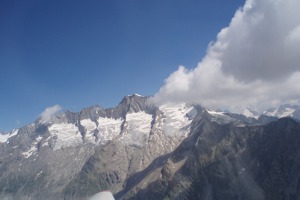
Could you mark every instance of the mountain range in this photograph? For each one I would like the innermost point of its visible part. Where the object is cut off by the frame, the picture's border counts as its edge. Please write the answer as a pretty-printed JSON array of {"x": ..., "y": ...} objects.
[{"x": 141, "y": 151}]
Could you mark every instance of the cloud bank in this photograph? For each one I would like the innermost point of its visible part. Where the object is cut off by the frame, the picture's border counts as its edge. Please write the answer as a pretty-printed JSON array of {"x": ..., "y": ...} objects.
[
  {"x": 49, "y": 112},
  {"x": 254, "y": 62}
]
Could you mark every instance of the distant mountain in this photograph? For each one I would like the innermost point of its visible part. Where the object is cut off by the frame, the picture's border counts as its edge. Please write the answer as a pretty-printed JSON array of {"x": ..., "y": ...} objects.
[
  {"x": 248, "y": 112},
  {"x": 284, "y": 111},
  {"x": 139, "y": 151},
  {"x": 225, "y": 161}
]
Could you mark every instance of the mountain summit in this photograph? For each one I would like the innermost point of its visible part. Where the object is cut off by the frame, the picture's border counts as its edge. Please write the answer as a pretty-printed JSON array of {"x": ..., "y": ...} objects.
[{"x": 140, "y": 151}]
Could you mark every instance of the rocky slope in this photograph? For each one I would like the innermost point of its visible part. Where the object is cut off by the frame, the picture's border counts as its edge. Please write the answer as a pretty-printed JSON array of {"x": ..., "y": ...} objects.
[
  {"x": 139, "y": 151},
  {"x": 75, "y": 155},
  {"x": 225, "y": 161}
]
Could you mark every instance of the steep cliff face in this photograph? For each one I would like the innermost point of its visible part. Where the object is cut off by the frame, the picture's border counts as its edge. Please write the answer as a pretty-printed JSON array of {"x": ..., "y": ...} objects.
[
  {"x": 139, "y": 151},
  {"x": 75, "y": 155},
  {"x": 223, "y": 161}
]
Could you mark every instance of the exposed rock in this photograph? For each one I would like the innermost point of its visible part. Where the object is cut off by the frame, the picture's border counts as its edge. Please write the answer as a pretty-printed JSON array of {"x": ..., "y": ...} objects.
[{"x": 139, "y": 151}]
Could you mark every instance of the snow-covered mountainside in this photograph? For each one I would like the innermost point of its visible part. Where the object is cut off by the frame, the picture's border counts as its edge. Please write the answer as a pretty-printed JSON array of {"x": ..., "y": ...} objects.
[
  {"x": 248, "y": 112},
  {"x": 32, "y": 156},
  {"x": 5, "y": 136},
  {"x": 123, "y": 149},
  {"x": 284, "y": 111}
]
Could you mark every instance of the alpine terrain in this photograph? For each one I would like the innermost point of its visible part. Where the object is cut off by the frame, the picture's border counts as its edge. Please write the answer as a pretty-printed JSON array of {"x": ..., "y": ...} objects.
[{"x": 140, "y": 151}]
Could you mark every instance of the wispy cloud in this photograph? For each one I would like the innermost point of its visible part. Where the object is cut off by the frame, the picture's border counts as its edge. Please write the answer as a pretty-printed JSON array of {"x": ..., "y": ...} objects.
[
  {"x": 253, "y": 62},
  {"x": 49, "y": 112}
]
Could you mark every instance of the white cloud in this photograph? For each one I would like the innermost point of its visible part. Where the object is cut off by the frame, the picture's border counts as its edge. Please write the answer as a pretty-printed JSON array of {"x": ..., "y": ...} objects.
[
  {"x": 49, "y": 112},
  {"x": 254, "y": 61}
]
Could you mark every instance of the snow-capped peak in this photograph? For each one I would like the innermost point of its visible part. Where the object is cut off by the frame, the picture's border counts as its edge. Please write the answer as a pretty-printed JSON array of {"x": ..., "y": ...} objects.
[
  {"x": 248, "y": 112},
  {"x": 283, "y": 111},
  {"x": 135, "y": 94}
]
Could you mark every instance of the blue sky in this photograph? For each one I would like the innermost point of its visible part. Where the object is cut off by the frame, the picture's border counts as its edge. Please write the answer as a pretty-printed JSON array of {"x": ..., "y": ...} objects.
[{"x": 81, "y": 53}]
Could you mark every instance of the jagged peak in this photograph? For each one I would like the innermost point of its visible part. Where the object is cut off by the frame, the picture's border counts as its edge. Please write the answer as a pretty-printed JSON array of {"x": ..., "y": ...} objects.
[
  {"x": 135, "y": 95},
  {"x": 249, "y": 112}
]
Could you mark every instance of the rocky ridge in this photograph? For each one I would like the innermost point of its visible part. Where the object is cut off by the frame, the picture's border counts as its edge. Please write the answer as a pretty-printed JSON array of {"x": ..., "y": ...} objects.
[{"x": 138, "y": 149}]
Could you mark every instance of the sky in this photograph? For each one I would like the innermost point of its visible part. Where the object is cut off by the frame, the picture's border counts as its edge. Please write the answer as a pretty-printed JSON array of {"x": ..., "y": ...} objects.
[
  {"x": 254, "y": 62},
  {"x": 63, "y": 54}
]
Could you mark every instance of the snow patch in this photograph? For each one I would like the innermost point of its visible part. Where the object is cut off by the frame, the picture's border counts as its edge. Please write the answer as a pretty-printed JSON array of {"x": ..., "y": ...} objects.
[
  {"x": 270, "y": 113},
  {"x": 137, "y": 128},
  {"x": 176, "y": 120},
  {"x": 287, "y": 112},
  {"x": 90, "y": 128},
  {"x": 108, "y": 128},
  {"x": 192, "y": 113},
  {"x": 215, "y": 113},
  {"x": 39, "y": 138},
  {"x": 67, "y": 135},
  {"x": 31, "y": 151},
  {"x": 249, "y": 113},
  {"x": 39, "y": 173},
  {"x": 135, "y": 94},
  {"x": 282, "y": 111},
  {"x": 219, "y": 117},
  {"x": 4, "y": 137}
]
